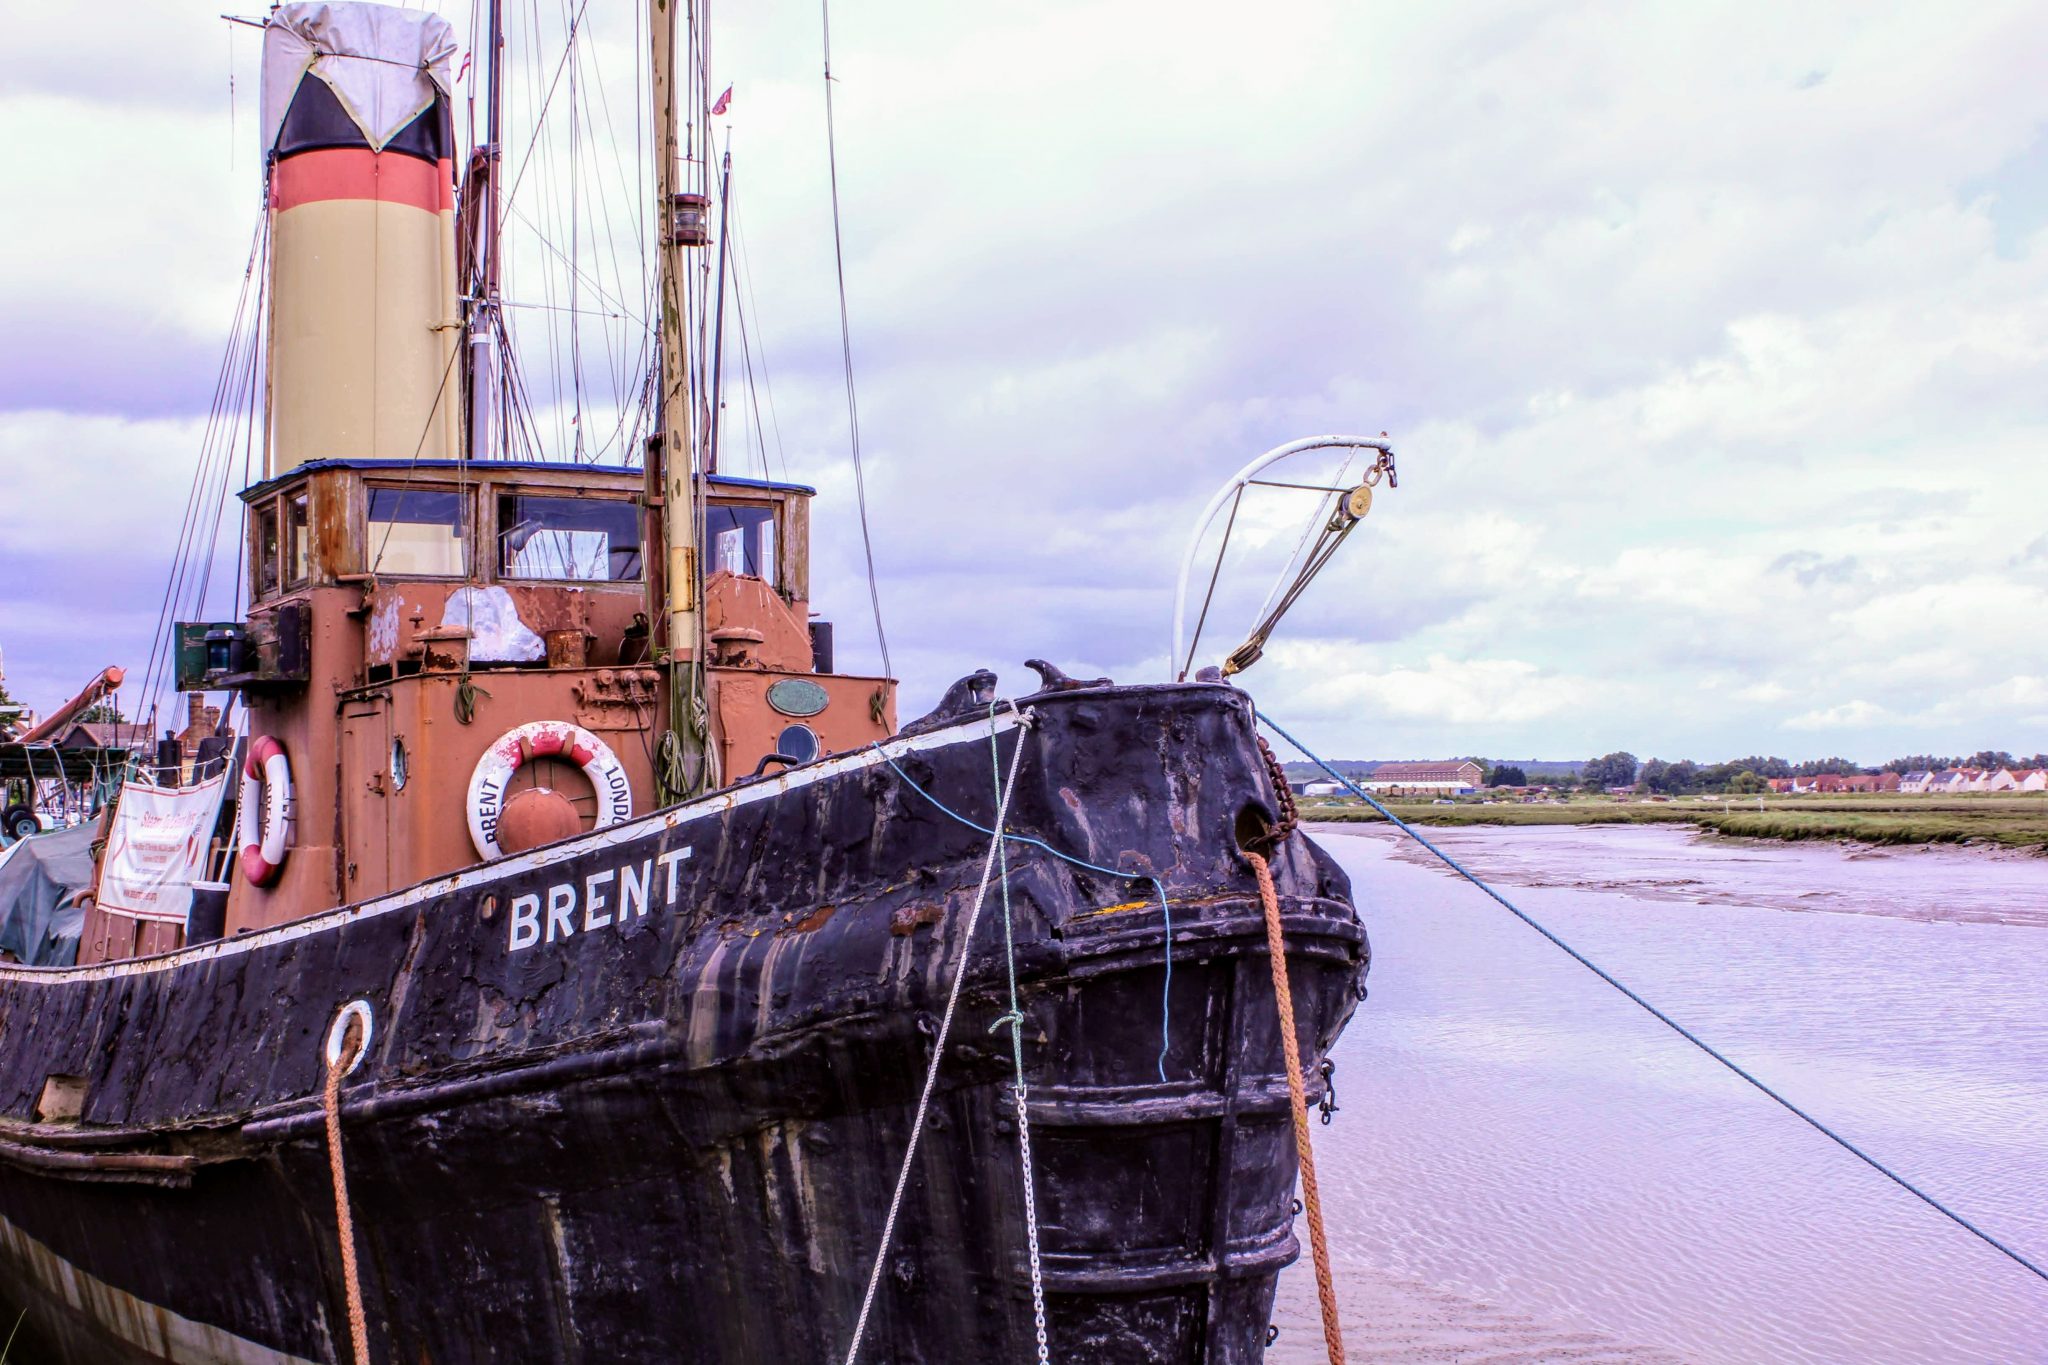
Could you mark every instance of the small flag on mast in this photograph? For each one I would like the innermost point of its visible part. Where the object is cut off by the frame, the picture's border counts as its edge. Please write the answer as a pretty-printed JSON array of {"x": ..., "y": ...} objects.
[{"x": 724, "y": 102}]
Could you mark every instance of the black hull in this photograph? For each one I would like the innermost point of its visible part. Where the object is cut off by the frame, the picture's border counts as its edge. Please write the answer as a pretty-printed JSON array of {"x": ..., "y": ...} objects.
[{"x": 675, "y": 1137}]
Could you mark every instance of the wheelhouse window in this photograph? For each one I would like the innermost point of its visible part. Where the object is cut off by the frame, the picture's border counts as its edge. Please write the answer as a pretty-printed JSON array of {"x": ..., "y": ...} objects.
[
  {"x": 297, "y": 540},
  {"x": 578, "y": 539},
  {"x": 416, "y": 531},
  {"x": 742, "y": 539},
  {"x": 265, "y": 557}
]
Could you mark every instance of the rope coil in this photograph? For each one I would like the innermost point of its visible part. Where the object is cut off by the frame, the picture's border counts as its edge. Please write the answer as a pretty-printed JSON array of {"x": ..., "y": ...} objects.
[{"x": 1297, "y": 1108}]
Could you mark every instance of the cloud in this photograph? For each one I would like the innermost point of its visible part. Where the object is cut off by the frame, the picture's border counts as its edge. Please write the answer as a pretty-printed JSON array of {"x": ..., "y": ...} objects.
[
  {"x": 1850, "y": 715},
  {"x": 1709, "y": 337}
]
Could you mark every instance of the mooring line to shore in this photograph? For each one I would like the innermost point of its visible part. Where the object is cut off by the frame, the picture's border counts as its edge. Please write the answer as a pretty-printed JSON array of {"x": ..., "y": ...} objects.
[{"x": 1681, "y": 1030}]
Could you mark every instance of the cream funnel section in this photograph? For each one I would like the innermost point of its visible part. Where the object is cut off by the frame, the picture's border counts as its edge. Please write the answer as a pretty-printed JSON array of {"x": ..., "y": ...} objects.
[{"x": 364, "y": 325}]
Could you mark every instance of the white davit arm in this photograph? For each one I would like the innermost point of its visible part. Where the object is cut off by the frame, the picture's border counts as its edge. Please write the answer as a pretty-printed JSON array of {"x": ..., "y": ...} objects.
[{"x": 1178, "y": 661}]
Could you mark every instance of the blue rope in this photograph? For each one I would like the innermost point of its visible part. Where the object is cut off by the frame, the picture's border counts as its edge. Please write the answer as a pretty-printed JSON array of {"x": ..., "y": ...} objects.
[
  {"x": 1165, "y": 911},
  {"x": 1663, "y": 1018}
]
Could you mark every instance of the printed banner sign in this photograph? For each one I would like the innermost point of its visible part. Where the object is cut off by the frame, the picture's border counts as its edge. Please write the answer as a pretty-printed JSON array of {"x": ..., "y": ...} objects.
[{"x": 157, "y": 848}]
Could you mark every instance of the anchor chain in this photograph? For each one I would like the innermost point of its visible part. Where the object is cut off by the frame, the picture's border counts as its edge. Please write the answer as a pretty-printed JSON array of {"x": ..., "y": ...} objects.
[{"x": 1283, "y": 796}]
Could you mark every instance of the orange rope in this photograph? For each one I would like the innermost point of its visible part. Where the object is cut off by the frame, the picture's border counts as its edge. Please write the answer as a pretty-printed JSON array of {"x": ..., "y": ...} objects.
[
  {"x": 1311, "y": 1198},
  {"x": 358, "y": 1325}
]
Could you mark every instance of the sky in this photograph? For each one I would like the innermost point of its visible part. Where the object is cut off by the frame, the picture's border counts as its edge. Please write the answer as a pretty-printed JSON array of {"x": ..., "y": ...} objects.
[{"x": 1711, "y": 340}]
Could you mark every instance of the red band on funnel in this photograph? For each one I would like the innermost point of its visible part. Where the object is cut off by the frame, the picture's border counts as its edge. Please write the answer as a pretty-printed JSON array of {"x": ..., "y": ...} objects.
[{"x": 359, "y": 173}]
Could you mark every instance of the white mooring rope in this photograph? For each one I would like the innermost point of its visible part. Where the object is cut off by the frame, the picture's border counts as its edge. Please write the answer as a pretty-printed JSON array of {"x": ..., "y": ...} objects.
[
  {"x": 1015, "y": 1020},
  {"x": 931, "y": 1075}
]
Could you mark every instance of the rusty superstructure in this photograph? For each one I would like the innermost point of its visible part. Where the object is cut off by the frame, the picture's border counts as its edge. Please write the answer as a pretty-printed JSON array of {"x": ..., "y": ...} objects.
[{"x": 643, "y": 912}]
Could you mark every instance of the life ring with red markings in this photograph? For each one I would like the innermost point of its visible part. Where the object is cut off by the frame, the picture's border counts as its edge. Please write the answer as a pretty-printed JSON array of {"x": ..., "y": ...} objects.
[
  {"x": 490, "y": 784},
  {"x": 263, "y": 811}
]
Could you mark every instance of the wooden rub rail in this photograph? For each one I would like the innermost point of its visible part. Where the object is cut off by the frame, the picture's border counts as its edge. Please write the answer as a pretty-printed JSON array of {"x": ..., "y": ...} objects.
[{"x": 146, "y": 1168}]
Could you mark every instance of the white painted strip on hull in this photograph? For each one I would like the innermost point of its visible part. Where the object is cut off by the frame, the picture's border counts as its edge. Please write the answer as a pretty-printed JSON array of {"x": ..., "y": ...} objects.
[
  {"x": 153, "y": 1332},
  {"x": 716, "y": 803}
]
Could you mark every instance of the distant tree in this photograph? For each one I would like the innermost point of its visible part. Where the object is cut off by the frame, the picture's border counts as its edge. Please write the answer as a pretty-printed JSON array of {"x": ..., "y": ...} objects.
[
  {"x": 1988, "y": 758},
  {"x": 1814, "y": 767},
  {"x": 1506, "y": 775},
  {"x": 8, "y": 705},
  {"x": 1613, "y": 770},
  {"x": 1746, "y": 783},
  {"x": 1715, "y": 777},
  {"x": 106, "y": 712}
]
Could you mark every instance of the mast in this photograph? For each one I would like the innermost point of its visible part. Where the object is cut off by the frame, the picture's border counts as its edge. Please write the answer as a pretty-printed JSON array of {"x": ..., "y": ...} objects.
[
  {"x": 680, "y": 223},
  {"x": 714, "y": 421},
  {"x": 486, "y": 380}
]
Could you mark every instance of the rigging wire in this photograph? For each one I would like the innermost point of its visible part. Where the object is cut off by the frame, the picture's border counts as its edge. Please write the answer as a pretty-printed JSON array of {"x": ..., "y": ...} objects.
[
  {"x": 1210, "y": 596},
  {"x": 744, "y": 272},
  {"x": 860, "y": 486},
  {"x": 216, "y": 448},
  {"x": 1681, "y": 1030},
  {"x": 1324, "y": 509}
]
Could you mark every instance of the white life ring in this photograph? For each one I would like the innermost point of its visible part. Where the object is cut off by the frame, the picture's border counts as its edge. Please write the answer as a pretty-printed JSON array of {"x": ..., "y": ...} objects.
[
  {"x": 266, "y": 837},
  {"x": 539, "y": 739}
]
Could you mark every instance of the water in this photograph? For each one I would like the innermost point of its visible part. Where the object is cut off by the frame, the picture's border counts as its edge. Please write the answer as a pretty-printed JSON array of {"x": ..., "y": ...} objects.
[{"x": 1528, "y": 1167}]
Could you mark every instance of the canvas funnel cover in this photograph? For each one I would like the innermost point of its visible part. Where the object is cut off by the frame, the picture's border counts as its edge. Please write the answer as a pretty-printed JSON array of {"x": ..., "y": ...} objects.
[{"x": 383, "y": 63}]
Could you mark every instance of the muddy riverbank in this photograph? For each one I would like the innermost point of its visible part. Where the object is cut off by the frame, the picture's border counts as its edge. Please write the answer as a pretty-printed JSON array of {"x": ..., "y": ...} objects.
[{"x": 1526, "y": 1167}]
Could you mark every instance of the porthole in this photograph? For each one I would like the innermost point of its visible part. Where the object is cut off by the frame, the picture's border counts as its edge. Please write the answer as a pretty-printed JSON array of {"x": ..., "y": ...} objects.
[
  {"x": 798, "y": 742},
  {"x": 401, "y": 767}
]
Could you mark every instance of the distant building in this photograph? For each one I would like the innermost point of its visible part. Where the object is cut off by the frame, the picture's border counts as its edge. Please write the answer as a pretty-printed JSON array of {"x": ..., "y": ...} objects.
[
  {"x": 1447, "y": 776},
  {"x": 1322, "y": 789},
  {"x": 1919, "y": 780},
  {"x": 202, "y": 722},
  {"x": 104, "y": 734},
  {"x": 1856, "y": 782}
]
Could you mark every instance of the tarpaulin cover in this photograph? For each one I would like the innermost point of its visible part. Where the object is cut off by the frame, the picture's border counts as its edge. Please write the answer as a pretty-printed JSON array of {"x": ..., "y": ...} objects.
[
  {"x": 37, "y": 877},
  {"x": 383, "y": 63}
]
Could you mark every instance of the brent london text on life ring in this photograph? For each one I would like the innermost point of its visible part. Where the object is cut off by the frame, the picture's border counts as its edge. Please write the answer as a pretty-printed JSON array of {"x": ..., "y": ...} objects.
[
  {"x": 263, "y": 811},
  {"x": 539, "y": 739}
]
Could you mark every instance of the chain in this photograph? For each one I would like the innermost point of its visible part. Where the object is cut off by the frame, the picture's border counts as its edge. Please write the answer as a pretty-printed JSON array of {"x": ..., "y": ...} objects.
[
  {"x": 1283, "y": 797},
  {"x": 1031, "y": 1228},
  {"x": 931, "y": 1075}
]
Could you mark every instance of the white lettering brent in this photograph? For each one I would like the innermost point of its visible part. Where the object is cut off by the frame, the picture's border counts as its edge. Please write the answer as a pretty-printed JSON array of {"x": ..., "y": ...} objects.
[{"x": 553, "y": 914}]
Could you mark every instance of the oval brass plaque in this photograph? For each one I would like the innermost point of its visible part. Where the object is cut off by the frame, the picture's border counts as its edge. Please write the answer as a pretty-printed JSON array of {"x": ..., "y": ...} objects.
[{"x": 797, "y": 696}]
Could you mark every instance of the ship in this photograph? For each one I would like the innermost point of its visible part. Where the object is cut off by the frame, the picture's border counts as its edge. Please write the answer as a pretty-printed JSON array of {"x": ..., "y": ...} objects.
[{"x": 595, "y": 972}]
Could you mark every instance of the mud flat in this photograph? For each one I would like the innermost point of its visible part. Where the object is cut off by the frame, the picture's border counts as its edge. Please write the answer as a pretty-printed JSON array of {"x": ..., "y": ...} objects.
[
  {"x": 1392, "y": 1318},
  {"x": 1983, "y": 822},
  {"x": 1527, "y": 1168}
]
